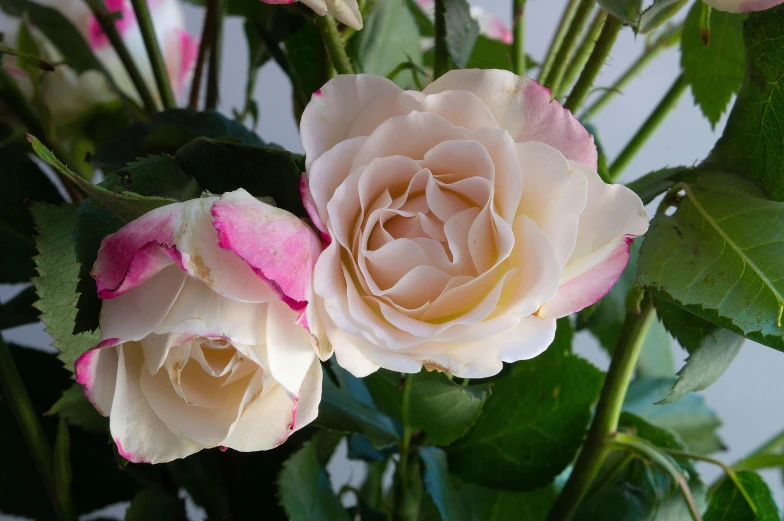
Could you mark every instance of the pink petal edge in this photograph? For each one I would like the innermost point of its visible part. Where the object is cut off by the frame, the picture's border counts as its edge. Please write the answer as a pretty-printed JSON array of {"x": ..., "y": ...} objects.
[
  {"x": 310, "y": 206},
  {"x": 84, "y": 369}
]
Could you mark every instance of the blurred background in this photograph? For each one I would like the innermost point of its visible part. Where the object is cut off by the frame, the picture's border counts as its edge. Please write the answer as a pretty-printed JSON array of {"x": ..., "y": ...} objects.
[{"x": 747, "y": 397}]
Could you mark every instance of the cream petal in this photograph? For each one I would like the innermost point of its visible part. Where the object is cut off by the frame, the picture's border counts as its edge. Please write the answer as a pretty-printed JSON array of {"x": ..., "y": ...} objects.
[
  {"x": 346, "y": 11},
  {"x": 265, "y": 424},
  {"x": 508, "y": 180},
  {"x": 309, "y": 396},
  {"x": 141, "y": 436},
  {"x": 329, "y": 171},
  {"x": 96, "y": 371},
  {"x": 443, "y": 203},
  {"x": 461, "y": 108},
  {"x": 385, "y": 107},
  {"x": 289, "y": 352},
  {"x": 156, "y": 348},
  {"x": 421, "y": 285}
]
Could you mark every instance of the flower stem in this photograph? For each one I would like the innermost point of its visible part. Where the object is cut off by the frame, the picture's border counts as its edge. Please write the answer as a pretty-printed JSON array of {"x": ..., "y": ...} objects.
[
  {"x": 668, "y": 102},
  {"x": 216, "y": 41},
  {"x": 441, "y": 58},
  {"x": 204, "y": 46},
  {"x": 568, "y": 45},
  {"x": 601, "y": 51},
  {"x": 154, "y": 52},
  {"x": 558, "y": 38},
  {"x": 333, "y": 42},
  {"x": 519, "y": 65},
  {"x": 608, "y": 411},
  {"x": 401, "y": 480},
  {"x": 583, "y": 53},
  {"x": 650, "y": 52},
  {"x": 106, "y": 21},
  {"x": 15, "y": 394}
]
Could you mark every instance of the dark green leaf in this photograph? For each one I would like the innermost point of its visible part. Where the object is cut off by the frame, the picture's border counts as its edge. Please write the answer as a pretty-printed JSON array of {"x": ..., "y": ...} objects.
[
  {"x": 490, "y": 54},
  {"x": 156, "y": 176},
  {"x": 386, "y": 388},
  {"x": 22, "y": 181},
  {"x": 58, "y": 275},
  {"x": 19, "y": 310},
  {"x": 754, "y": 502},
  {"x": 155, "y": 505},
  {"x": 390, "y": 36},
  {"x": 687, "y": 328},
  {"x": 689, "y": 417},
  {"x": 627, "y": 10},
  {"x": 424, "y": 22},
  {"x": 126, "y": 206},
  {"x": 264, "y": 172},
  {"x": 438, "y": 485},
  {"x": 485, "y": 504},
  {"x": 650, "y": 186},
  {"x": 705, "y": 259},
  {"x": 305, "y": 491},
  {"x": 753, "y": 141},
  {"x": 706, "y": 364},
  {"x": 360, "y": 447},
  {"x": 200, "y": 475},
  {"x": 531, "y": 426},
  {"x": 658, "y": 13},
  {"x": 61, "y": 460},
  {"x": 714, "y": 72},
  {"x": 75, "y": 409},
  {"x": 30, "y": 59},
  {"x": 307, "y": 59},
  {"x": 461, "y": 31}
]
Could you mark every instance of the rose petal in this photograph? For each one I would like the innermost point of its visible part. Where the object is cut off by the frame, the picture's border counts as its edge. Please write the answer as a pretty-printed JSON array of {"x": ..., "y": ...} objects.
[
  {"x": 96, "y": 371},
  {"x": 265, "y": 424},
  {"x": 289, "y": 353}
]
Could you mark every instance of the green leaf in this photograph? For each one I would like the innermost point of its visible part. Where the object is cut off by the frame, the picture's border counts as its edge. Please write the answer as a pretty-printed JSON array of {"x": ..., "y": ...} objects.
[
  {"x": 438, "y": 485},
  {"x": 485, "y": 504},
  {"x": 443, "y": 409},
  {"x": 752, "y": 502},
  {"x": 531, "y": 426},
  {"x": 627, "y": 10},
  {"x": 22, "y": 180},
  {"x": 658, "y": 13},
  {"x": 714, "y": 72},
  {"x": 76, "y": 410},
  {"x": 706, "y": 259},
  {"x": 689, "y": 417},
  {"x": 20, "y": 310},
  {"x": 340, "y": 411},
  {"x": 461, "y": 31},
  {"x": 155, "y": 505},
  {"x": 126, "y": 205},
  {"x": 687, "y": 328},
  {"x": 304, "y": 488},
  {"x": 154, "y": 176},
  {"x": 31, "y": 59},
  {"x": 706, "y": 364},
  {"x": 264, "y": 172},
  {"x": 307, "y": 59},
  {"x": 653, "y": 184},
  {"x": 386, "y": 388},
  {"x": 753, "y": 140},
  {"x": 58, "y": 275},
  {"x": 424, "y": 22},
  {"x": 390, "y": 36}
]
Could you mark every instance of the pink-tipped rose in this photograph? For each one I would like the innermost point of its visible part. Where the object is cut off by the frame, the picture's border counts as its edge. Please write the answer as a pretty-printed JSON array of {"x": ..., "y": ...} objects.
[
  {"x": 464, "y": 220},
  {"x": 203, "y": 329}
]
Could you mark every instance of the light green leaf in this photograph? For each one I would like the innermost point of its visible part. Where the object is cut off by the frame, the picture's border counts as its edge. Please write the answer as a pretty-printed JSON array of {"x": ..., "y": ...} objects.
[
  {"x": 31, "y": 59},
  {"x": 74, "y": 408},
  {"x": 531, "y": 426},
  {"x": 714, "y": 72},
  {"x": 155, "y": 505},
  {"x": 626, "y": 10},
  {"x": 58, "y": 275},
  {"x": 461, "y": 31},
  {"x": 753, "y": 501},
  {"x": 718, "y": 257},
  {"x": 304, "y": 488},
  {"x": 658, "y": 13},
  {"x": 753, "y": 141},
  {"x": 706, "y": 364},
  {"x": 438, "y": 485}
]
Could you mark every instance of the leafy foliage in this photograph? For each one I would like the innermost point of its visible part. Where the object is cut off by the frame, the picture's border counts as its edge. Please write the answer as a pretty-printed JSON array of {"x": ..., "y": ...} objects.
[
  {"x": 715, "y": 71},
  {"x": 753, "y": 139},
  {"x": 76, "y": 410},
  {"x": 461, "y": 31},
  {"x": 437, "y": 484},
  {"x": 155, "y": 505},
  {"x": 753, "y": 501}
]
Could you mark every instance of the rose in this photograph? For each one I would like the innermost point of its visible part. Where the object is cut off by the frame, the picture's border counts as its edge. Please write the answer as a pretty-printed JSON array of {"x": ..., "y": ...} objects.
[
  {"x": 463, "y": 220},
  {"x": 200, "y": 345},
  {"x": 489, "y": 25},
  {"x": 742, "y": 6},
  {"x": 346, "y": 11},
  {"x": 69, "y": 95}
]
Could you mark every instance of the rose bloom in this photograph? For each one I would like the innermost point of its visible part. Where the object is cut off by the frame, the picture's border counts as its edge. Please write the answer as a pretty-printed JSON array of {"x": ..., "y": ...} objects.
[
  {"x": 464, "y": 220},
  {"x": 202, "y": 337},
  {"x": 69, "y": 95},
  {"x": 742, "y": 6},
  {"x": 345, "y": 11}
]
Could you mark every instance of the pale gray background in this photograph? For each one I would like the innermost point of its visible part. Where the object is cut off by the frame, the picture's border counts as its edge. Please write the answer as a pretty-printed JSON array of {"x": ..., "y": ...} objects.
[{"x": 748, "y": 397}]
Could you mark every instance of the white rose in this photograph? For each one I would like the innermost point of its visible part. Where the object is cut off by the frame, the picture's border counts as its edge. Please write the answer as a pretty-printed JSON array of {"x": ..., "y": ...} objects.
[
  {"x": 346, "y": 11},
  {"x": 69, "y": 95},
  {"x": 464, "y": 219},
  {"x": 742, "y": 6},
  {"x": 202, "y": 337}
]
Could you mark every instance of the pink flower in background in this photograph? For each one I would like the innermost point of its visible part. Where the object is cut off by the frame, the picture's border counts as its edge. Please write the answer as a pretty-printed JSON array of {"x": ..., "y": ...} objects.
[
  {"x": 743, "y": 6},
  {"x": 464, "y": 220},
  {"x": 489, "y": 24},
  {"x": 345, "y": 11},
  {"x": 69, "y": 95},
  {"x": 202, "y": 337}
]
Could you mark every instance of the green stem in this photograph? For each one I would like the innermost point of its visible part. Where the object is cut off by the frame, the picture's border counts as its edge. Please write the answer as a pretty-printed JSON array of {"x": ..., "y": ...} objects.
[
  {"x": 668, "y": 102},
  {"x": 333, "y": 42},
  {"x": 601, "y": 51},
  {"x": 568, "y": 45},
  {"x": 106, "y": 21},
  {"x": 441, "y": 57},
  {"x": 519, "y": 65},
  {"x": 154, "y": 52},
  {"x": 16, "y": 396},
  {"x": 582, "y": 54},
  {"x": 401, "y": 481},
  {"x": 216, "y": 45},
  {"x": 634, "y": 69},
  {"x": 16, "y": 101},
  {"x": 204, "y": 46},
  {"x": 625, "y": 441},
  {"x": 608, "y": 411},
  {"x": 558, "y": 38}
]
